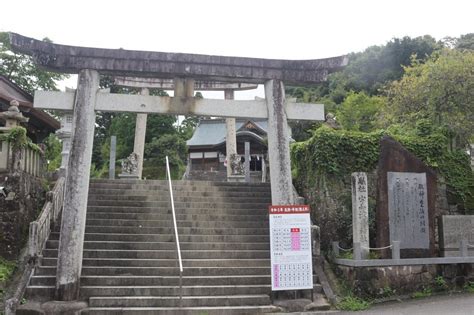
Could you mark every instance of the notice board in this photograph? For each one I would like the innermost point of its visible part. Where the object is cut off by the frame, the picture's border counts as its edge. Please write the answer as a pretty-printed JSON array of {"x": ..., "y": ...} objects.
[{"x": 290, "y": 247}]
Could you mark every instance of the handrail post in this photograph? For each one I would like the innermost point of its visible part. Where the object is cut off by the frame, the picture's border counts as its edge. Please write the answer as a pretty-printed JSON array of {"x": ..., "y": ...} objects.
[{"x": 168, "y": 173}]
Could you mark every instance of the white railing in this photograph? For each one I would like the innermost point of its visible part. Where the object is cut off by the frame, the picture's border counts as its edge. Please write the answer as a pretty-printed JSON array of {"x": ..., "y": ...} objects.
[
  {"x": 178, "y": 248},
  {"x": 40, "y": 229}
]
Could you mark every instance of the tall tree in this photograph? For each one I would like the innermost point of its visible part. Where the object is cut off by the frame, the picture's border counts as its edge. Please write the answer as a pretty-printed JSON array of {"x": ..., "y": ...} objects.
[
  {"x": 440, "y": 90},
  {"x": 21, "y": 70}
]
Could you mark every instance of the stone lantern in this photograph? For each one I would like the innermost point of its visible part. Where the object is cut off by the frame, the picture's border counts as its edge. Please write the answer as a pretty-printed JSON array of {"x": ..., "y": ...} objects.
[{"x": 12, "y": 116}]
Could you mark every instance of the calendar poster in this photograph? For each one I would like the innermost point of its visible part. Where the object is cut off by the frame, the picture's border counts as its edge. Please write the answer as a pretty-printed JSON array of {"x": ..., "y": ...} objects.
[{"x": 290, "y": 243}]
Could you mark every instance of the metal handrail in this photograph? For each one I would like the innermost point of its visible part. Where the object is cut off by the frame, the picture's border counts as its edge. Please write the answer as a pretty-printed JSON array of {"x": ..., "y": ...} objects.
[{"x": 168, "y": 174}]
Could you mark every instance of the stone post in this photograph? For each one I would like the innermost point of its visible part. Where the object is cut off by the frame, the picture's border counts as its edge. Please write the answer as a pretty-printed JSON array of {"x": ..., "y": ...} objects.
[
  {"x": 140, "y": 133},
  {"x": 463, "y": 248},
  {"x": 77, "y": 188},
  {"x": 360, "y": 212},
  {"x": 64, "y": 134},
  {"x": 230, "y": 139},
  {"x": 113, "y": 150},
  {"x": 335, "y": 248},
  {"x": 396, "y": 250},
  {"x": 278, "y": 144},
  {"x": 247, "y": 162},
  {"x": 357, "y": 251}
]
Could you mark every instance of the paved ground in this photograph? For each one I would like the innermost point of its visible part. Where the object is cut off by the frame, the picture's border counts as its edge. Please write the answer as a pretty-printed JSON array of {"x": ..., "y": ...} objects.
[{"x": 458, "y": 304}]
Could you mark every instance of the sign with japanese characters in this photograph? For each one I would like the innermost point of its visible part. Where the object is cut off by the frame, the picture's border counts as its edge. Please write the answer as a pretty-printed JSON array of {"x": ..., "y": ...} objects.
[
  {"x": 290, "y": 247},
  {"x": 408, "y": 209}
]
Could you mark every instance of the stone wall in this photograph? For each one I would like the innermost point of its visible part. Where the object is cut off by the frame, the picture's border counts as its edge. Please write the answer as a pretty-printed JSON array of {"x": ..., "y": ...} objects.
[
  {"x": 398, "y": 280},
  {"x": 26, "y": 198}
]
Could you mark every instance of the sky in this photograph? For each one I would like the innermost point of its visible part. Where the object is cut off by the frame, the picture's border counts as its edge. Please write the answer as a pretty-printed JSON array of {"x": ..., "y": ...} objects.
[{"x": 296, "y": 29}]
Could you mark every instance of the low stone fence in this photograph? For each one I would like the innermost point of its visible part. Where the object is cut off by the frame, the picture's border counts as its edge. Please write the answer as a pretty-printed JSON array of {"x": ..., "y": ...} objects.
[
  {"x": 40, "y": 229},
  {"x": 25, "y": 159},
  {"x": 378, "y": 277}
]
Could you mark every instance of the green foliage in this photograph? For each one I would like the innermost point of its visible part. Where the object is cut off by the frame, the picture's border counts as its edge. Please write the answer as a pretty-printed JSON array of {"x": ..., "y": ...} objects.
[
  {"x": 337, "y": 153},
  {"x": 18, "y": 139},
  {"x": 439, "y": 90},
  {"x": 20, "y": 69},
  {"x": 440, "y": 283},
  {"x": 52, "y": 152},
  {"x": 359, "y": 111},
  {"x": 170, "y": 145},
  {"x": 345, "y": 255},
  {"x": 6, "y": 269},
  {"x": 465, "y": 42},
  {"x": 426, "y": 292},
  {"x": 469, "y": 287},
  {"x": 352, "y": 303}
]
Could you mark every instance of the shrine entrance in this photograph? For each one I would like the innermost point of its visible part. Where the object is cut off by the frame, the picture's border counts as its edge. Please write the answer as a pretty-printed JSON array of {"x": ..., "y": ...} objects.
[{"x": 183, "y": 73}]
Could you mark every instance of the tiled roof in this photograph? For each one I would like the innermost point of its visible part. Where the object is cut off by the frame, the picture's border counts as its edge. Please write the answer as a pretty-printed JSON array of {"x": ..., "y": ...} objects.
[{"x": 213, "y": 131}]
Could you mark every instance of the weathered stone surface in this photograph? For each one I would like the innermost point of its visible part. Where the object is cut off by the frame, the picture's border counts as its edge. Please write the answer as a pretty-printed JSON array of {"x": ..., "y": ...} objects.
[
  {"x": 407, "y": 209},
  {"x": 230, "y": 139},
  {"x": 395, "y": 158},
  {"x": 360, "y": 212},
  {"x": 76, "y": 189},
  {"x": 453, "y": 229},
  {"x": 140, "y": 132},
  {"x": 168, "y": 84},
  {"x": 278, "y": 144},
  {"x": 17, "y": 213},
  {"x": 72, "y": 59}
]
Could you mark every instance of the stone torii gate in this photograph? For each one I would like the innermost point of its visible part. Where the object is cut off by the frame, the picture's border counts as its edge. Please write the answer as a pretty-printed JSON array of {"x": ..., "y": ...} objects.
[{"x": 184, "y": 70}]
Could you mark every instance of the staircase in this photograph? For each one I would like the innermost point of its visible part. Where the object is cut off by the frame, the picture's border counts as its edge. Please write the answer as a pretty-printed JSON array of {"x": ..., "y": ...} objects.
[{"x": 130, "y": 264}]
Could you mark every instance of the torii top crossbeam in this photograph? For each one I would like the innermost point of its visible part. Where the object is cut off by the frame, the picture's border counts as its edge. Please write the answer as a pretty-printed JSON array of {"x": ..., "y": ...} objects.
[{"x": 117, "y": 62}]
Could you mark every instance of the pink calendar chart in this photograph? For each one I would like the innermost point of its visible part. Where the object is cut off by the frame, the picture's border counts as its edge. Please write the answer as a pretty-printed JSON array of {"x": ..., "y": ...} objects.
[{"x": 290, "y": 243}]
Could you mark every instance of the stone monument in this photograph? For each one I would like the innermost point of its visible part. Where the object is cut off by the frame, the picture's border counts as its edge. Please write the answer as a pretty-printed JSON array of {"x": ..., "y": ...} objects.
[
  {"x": 406, "y": 198},
  {"x": 360, "y": 212}
]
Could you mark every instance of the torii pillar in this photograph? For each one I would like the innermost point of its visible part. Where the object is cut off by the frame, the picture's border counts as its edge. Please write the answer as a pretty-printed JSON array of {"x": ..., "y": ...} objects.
[
  {"x": 77, "y": 188},
  {"x": 230, "y": 139},
  {"x": 278, "y": 144},
  {"x": 140, "y": 133}
]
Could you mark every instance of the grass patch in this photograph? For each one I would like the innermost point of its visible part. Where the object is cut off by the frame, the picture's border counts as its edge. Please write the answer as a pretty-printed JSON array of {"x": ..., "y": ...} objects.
[
  {"x": 6, "y": 269},
  {"x": 426, "y": 292},
  {"x": 469, "y": 287},
  {"x": 351, "y": 303}
]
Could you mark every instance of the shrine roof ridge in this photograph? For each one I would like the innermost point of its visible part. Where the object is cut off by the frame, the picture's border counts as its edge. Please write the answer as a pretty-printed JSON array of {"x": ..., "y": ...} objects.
[{"x": 72, "y": 59}]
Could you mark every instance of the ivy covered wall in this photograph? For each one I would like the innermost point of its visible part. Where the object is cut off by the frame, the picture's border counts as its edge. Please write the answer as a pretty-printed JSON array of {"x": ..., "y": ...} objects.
[{"x": 323, "y": 164}]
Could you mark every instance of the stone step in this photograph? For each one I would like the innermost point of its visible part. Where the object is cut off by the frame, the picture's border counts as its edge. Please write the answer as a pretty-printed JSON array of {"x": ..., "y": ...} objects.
[
  {"x": 170, "y": 238},
  {"x": 168, "y": 254},
  {"x": 187, "y": 301},
  {"x": 128, "y": 280},
  {"x": 178, "y": 198},
  {"x": 179, "y": 217},
  {"x": 160, "y": 271},
  {"x": 180, "y": 205},
  {"x": 47, "y": 292},
  {"x": 42, "y": 280},
  {"x": 173, "y": 182},
  {"x": 135, "y": 262},
  {"x": 214, "y": 231},
  {"x": 216, "y": 310},
  {"x": 179, "y": 210},
  {"x": 54, "y": 244},
  {"x": 181, "y": 193},
  {"x": 169, "y": 222},
  {"x": 246, "y": 188}
]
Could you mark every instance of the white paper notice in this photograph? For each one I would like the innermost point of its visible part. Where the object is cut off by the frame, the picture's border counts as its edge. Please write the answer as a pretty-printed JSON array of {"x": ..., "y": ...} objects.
[{"x": 290, "y": 243}]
